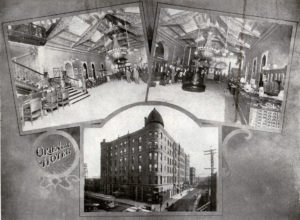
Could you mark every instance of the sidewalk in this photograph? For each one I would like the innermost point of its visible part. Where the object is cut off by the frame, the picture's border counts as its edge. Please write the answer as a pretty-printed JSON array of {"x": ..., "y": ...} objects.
[
  {"x": 118, "y": 200},
  {"x": 171, "y": 200},
  {"x": 155, "y": 207}
]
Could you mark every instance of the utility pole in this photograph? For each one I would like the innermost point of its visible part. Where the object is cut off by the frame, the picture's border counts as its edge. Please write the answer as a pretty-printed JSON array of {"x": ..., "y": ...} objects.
[{"x": 211, "y": 153}]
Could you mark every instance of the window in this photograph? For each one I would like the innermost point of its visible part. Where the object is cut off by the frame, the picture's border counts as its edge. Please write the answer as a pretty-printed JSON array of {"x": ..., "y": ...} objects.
[
  {"x": 140, "y": 168},
  {"x": 132, "y": 167},
  {"x": 160, "y": 179},
  {"x": 161, "y": 135},
  {"x": 161, "y": 157},
  {"x": 156, "y": 144},
  {"x": 121, "y": 152},
  {"x": 150, "y": 133},
  {"x": 264, "y": 59},
  {"x": 155, "y": 167},
  {"x": 140, "y": 148},
  {"x": 125, "y": 151},
  {"x": 125, "y": 142},
  {"x": 133, "y": 140},
  {"x": 150, "y": 156},
  {"x": 155, "y": 134},
  {"x": 155, "y": 156},
  {"x": 140, "y": 158},
  {"x": 132, "y": 159},
  {"x": 161, "y": 168},
  {"x": 140, "y": 139},
  {"x": 132, "y": 149},
  {"x": 254, "y": 67},
  {"x": 125, "y": 158},
  {"x": 156, "y": 179},
  {"x": 150, "y": 167}
]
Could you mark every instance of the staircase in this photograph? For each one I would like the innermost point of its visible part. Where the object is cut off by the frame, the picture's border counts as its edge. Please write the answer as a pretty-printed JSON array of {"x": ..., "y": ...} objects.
[{"x": 76, "y": 95}]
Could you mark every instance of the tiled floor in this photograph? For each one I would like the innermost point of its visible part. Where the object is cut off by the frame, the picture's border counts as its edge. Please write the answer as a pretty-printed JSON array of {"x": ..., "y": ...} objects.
[
  {"x": 215, "y": 104},
  {"x": 104, "y": 99}
]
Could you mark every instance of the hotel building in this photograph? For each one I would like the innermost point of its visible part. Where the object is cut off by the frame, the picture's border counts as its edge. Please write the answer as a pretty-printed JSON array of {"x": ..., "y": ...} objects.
[{"x": 147, "y": 165}]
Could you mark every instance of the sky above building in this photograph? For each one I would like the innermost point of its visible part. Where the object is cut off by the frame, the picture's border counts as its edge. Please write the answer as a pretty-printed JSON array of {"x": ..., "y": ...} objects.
[{"x": 193, "y": 138}]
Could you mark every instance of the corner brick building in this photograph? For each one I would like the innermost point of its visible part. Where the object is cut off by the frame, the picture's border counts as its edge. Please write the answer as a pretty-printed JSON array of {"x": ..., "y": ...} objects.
[{"x": 146, "y": 165}]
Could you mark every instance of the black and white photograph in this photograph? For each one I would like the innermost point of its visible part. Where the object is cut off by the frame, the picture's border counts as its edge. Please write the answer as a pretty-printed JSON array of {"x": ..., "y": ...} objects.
[
  {"x": 222, "y": 67},
  {"x": 79, "y": 67},
  {"x": 150, "y": 159}
]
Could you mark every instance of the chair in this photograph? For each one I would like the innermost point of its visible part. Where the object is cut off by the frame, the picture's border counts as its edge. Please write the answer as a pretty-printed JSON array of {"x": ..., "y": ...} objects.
[
  {"x": 51, "y": 101},
  {"x": 33, "y": 109},
  {"x": 63, "y": 97}
]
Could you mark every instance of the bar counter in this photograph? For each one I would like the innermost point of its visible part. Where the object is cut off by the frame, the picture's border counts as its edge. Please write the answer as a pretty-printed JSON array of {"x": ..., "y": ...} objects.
[{"x": 260, "y": 112}]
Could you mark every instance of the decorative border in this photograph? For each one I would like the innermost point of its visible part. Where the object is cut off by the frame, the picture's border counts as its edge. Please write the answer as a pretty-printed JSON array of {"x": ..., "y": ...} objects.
[{"x": 225, "y": 165}]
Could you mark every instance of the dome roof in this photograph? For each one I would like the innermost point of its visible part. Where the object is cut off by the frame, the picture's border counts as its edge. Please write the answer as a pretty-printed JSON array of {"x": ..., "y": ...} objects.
[{"x": 154, "y": 117}]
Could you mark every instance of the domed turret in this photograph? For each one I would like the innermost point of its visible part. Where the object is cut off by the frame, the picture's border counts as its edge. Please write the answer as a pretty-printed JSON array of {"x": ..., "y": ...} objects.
[{"x": 154, "y": 117}]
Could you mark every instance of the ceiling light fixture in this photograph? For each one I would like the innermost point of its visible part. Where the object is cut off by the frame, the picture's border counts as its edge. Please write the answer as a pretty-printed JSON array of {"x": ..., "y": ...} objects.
[
  {"x": 224, "y": 50},
  {"x": 117, "y": 51}
]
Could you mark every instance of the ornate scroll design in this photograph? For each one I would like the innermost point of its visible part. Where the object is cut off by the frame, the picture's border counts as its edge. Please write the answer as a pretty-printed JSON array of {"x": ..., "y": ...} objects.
[
  {"x": 248, "y": 135},
  {"x": 52, "y": 183}
]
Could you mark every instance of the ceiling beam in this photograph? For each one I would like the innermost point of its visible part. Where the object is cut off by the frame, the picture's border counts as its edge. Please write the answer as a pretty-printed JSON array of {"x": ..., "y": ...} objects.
[
  {"x": 162, "y": 34},
  {"x": 244, "y": 28},
  {"x": 62, "y": 25},
  {"x": 89, "y": 32}
]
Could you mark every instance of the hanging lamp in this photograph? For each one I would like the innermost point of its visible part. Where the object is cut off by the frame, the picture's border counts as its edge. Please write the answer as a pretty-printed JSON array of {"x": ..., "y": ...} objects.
[
  {"x": 225, "y": 50},
  {"x": 117, "y": 51}
]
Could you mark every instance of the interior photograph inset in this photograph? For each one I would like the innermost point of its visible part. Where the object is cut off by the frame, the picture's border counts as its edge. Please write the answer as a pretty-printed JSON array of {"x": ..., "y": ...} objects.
[
  {"x": 222, "y": 67},
  {"x": 79, "y": 67}
]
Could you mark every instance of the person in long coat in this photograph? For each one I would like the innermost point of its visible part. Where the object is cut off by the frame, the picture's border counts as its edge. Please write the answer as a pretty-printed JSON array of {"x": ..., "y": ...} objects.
[
  {"x": 128, "y": 73},
  {"x": 136, "y": 74},
  {"x": 173, "y": 74}
]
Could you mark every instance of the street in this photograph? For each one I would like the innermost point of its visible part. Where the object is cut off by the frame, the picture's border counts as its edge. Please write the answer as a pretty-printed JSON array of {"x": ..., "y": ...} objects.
[{"x": 186, "y": 203}]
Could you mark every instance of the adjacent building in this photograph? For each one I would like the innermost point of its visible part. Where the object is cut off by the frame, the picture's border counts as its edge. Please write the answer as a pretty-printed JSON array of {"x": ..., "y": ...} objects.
[
  {"x": 147, "y": 165},
  {"x": 192, "y": 175}
]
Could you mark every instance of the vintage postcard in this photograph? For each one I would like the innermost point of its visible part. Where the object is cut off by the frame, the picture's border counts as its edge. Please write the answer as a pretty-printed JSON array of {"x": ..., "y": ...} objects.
[{"x": 150, "y": 109}]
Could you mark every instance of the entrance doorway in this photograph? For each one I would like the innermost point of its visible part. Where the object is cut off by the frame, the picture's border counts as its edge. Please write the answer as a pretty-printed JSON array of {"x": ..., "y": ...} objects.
[
  {"x": 85, "y": 71},
  {"x": 69, "y": 70},
  {"x": 93, "y": 70}
]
